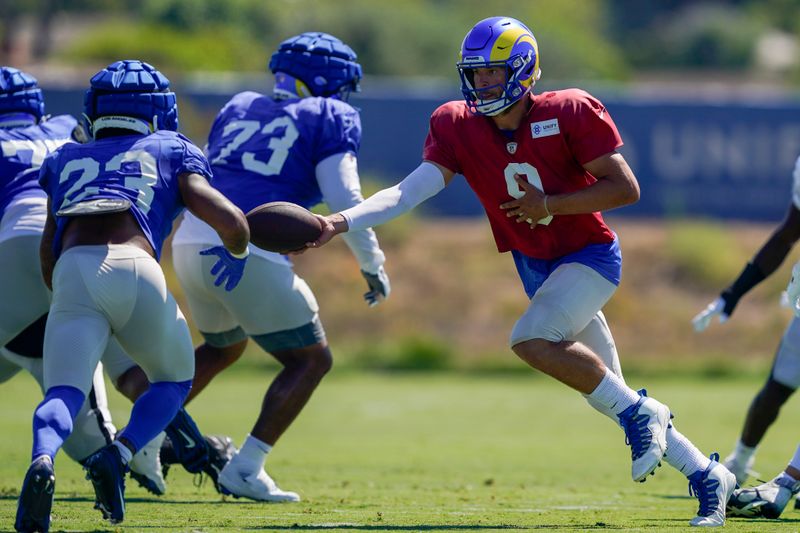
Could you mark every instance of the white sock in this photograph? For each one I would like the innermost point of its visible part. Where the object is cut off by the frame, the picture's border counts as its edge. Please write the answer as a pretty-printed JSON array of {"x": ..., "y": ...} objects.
[
  {"x": 613, "y": 394},
  {"x": 253, "y": 453},
  {"x": 743, "y": 453},
  {"x": 795, "y": 462},
  {"x": 682, "y": 455},
  {"x": 124, "y": 451}
]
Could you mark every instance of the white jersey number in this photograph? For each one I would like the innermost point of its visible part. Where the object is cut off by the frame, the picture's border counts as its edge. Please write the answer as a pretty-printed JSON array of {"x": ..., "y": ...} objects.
[
  {"x": 90, "y": 169},
  {"x": 279, "y": 144},
  {"x": 39, "y": 148},
  {"x": 531, "y": 175}
]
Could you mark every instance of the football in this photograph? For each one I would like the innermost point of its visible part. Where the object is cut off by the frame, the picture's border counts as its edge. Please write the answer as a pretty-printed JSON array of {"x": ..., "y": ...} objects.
[{"x": 282, "y": 226}]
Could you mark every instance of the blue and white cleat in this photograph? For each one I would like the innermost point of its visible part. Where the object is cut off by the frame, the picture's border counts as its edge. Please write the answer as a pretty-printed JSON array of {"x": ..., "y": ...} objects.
[
  {"x": 764, "y": 501},
  {"x": 645, "y": 424},
  {"x": 191, "y": 449},
  {"x": 712, "y": 487},
  {"x": 106, "y": 470},
  {"x": 36, "y": 497}
]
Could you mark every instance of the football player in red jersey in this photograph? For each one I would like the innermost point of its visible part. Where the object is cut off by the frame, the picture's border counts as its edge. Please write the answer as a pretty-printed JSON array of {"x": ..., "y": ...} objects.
[{"x": 544, "y": 167}]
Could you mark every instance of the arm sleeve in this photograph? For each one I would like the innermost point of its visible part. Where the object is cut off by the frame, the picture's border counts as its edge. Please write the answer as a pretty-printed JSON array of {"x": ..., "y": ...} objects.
[
  {"x": 337, "y": 177},
  {"x": 383, "y": 206}
]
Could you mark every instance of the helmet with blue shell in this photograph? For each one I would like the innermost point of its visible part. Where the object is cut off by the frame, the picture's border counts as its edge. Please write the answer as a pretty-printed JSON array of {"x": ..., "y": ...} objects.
[
  {"x": 315, "y": 64},
  {"x": 130, "y": 94},
  {"x": 498, "y": 42}
]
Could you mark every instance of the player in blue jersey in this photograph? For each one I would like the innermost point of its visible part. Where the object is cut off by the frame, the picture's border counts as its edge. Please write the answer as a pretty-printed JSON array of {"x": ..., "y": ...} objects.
[
  {"x": 298, "y": 145},
  {"x": 111, "y": 203},
  {"x": 27, "y": 135}
]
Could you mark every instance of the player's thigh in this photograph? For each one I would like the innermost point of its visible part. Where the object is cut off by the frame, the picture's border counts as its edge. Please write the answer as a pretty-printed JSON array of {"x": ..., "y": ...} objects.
[
  {"x": 77, "y": 328},
  {"x": 156, "y": 335},
  {"x": 786, "y": 367},
  {"x": 564, "y": 305},
  {"x": 23, "y": 294},
  {"x": 115, "y": 360},
  {"x": 269, "y": 298},
  {"x": 208, "y": 312}
]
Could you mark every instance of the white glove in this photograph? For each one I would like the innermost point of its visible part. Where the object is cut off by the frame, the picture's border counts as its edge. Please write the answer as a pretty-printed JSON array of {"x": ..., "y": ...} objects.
[
  {"x": 704, "y": 317},
  {"x": 379, "y": 287},
  {"x": 793, "y": 290}
]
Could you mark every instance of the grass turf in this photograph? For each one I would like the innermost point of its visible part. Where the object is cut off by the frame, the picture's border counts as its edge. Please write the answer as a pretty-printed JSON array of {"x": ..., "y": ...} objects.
[{"x": 413, "y": 452}]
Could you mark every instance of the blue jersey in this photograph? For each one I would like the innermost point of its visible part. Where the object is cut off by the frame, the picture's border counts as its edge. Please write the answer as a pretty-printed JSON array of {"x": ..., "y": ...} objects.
[
  {"x": 141, "y": 169},
  {"x": 24, "y": 150},
  {"x": 264, "y": 150}
]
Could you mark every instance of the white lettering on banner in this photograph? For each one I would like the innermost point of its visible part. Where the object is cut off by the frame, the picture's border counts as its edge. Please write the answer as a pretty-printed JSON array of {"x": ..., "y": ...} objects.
[{"x": 713, "y": 152}]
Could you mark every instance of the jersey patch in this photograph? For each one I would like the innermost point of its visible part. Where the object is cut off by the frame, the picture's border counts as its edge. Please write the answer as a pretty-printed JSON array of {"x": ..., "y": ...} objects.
[{"x": 544, "y": 128}]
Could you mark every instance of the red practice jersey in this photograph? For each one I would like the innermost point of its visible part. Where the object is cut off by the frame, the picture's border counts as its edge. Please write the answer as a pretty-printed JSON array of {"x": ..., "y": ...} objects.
[{"x": 562, "y": 131}]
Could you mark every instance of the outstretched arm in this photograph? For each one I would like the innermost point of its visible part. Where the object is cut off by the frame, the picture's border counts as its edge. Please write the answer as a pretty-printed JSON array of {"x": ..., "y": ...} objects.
[{"x": 425, "y": 181}]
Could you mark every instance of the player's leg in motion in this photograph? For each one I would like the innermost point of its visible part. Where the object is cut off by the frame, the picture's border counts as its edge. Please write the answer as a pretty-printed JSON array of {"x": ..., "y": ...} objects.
[
  {"x": 153, "y": 331},
  {"x": 75, "y": 338},
  {"x": 277, "y": 309},
  {"x": 181, "y": 443},
  {"x": 783, "y": 380},
  {"x": 561, "y": 309}
]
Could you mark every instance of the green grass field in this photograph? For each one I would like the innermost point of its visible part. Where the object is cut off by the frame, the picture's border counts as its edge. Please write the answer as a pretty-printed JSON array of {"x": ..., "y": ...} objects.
[{"x": 412, "y": 452}]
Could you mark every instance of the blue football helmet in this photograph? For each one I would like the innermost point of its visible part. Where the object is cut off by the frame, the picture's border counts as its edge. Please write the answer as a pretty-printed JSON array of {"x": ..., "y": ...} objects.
[
  {"x": 499, "y": 42},
  {"x": 315, "y": 64},
  {"x": 20, "y": 93},
  {"x": 133, "y": 95}
]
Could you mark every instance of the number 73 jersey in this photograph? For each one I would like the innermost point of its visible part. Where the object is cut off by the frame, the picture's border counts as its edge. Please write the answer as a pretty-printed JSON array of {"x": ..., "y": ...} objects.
[
  {"x": 142, "y": 170},
  {"x": 562, "y": 131},
  {"x": 264, "y": 150}
]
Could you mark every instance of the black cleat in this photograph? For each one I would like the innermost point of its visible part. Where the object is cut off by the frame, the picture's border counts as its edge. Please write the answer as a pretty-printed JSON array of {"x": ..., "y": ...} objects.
[
  {"x": 220, "y": 451},
  {"x": 106, "y": 470},
  {"x": 188, "y": 444},
  {"x": 36, "y": 497}
]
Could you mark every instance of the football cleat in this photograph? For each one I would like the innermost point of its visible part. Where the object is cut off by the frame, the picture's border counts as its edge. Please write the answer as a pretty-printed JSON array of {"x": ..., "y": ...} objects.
[
  {"x": 712, "y": 487},
  {"x": 146, "y": 467},
  {"x": 764, "y": 501},
  {"x": 36, "y": 497},
  {"x": 188, "y": 444},
  {"x": 645, "y": 424},
  {"x": 220, "y": 451},
  {"x": 106, "y": 470},
  {"x": 256, "y": 486},
  {"x": 742, "y": 470}
]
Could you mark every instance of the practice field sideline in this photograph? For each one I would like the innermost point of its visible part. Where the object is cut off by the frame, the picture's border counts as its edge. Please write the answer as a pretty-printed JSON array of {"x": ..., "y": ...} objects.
[{"x": 423, "y": 452}]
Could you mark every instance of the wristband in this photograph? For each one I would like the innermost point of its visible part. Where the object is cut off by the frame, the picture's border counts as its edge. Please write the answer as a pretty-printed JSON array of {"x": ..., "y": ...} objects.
[
  {"x": 546, "y": 210},
  {"x": 241, "y": 255}
]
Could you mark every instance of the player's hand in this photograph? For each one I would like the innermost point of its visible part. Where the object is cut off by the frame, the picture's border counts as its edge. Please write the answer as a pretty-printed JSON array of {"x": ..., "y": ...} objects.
[
  {"x": 379, "y": 287},
  {"x": 332, "y": 225},
  {"x": 228, "y": 268},
  {"x": 793, "y": 290},
  {"x": 529, "y": 208},
  {"x": 704, "y": 317}
]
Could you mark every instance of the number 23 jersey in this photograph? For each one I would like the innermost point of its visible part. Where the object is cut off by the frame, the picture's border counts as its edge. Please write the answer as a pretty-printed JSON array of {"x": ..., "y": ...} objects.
[
  {"x": 562, "y": 131},
  {"x": 142, "y": 169}
]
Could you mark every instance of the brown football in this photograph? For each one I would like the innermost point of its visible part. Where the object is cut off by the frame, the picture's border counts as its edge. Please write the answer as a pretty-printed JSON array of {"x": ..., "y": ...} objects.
[{"x": 282, "y": 226}]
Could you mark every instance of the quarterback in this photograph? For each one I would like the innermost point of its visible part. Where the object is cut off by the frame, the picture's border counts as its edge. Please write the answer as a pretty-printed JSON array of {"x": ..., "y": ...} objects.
[{"x": 544, "y": 166}]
